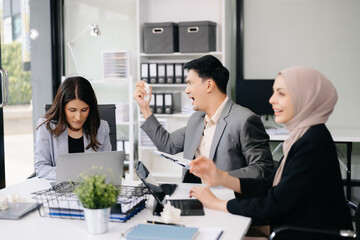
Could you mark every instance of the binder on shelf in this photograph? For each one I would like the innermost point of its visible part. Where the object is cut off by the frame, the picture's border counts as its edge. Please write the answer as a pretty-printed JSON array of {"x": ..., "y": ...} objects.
[
  {"x": 152, "y": 103},
  {"x": 185, "y": 73},
  {"x": 179, "y": 73},
  {"x": 153, "y": 73},
  {"x": 170, "y": 73},
  {"x": 161, "y": 73},
  {"x": 145, "y": 72},
  {"x": 176, "y": 101},
  {"x": 159, "y": 102},
  {"x": 168, "y": 102}
]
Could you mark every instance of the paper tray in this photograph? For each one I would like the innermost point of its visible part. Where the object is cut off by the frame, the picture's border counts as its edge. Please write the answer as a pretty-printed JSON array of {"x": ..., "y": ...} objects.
[{"x": 60, "y": 202}]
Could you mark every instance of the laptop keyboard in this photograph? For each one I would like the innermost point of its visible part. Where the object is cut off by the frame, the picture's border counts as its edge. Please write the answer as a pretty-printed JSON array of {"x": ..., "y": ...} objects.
[{"x": 188, "y": 207}]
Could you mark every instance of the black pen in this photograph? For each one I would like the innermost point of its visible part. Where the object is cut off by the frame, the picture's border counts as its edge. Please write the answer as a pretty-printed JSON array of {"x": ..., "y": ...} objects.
[
  {"x": 171, "y": 159},
  {"x": 173, "y": 224},
  {"x": 175, "y": 161}
]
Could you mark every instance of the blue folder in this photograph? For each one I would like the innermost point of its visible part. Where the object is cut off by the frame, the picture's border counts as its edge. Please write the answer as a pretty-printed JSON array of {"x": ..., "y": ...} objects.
[{"x": 161, "y": 232}]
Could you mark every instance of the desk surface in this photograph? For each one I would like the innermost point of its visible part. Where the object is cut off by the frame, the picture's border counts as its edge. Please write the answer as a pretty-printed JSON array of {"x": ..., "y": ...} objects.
[
  {"x": 33, "y": 226},
  {"x": 339, "y": 135}
]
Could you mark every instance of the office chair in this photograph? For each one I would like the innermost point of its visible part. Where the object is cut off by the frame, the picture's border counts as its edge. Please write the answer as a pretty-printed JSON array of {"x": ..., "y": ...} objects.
[
  {"x": 342, "y": 234},
  {"x": 107, "y": 113}
]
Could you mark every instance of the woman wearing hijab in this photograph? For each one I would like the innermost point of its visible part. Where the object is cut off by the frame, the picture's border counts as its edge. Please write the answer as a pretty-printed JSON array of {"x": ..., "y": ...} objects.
[{"x": 306, "y": 190}]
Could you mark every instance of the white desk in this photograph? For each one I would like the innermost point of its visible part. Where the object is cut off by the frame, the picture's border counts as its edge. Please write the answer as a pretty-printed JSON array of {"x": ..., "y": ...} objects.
[
  {"x": 33, "y": 226},
  {"x": 346, "y": 136}
]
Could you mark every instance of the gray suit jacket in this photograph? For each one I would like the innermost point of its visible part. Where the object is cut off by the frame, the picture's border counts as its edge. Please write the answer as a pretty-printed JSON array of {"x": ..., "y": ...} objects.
[
  {"x": 49, "y": 147},
  {"x": 240, "y": 145}
]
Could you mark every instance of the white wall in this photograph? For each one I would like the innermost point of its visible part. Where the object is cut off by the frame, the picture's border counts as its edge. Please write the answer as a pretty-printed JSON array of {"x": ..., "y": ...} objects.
[
  {"x": 324, "y": 34},
  {"x": 117, "y": 23}
]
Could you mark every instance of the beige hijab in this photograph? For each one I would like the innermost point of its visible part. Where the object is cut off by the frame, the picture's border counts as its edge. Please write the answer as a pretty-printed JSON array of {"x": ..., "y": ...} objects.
[{"x": 313, "y": 97}]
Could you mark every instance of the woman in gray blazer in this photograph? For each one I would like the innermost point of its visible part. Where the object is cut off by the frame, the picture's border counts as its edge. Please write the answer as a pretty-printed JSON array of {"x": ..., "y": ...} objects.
[{"x": 71, "y": 125}]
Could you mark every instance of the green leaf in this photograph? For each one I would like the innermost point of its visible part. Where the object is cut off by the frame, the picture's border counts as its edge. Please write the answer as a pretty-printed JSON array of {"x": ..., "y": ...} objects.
[{"x": 93, "y": 191}]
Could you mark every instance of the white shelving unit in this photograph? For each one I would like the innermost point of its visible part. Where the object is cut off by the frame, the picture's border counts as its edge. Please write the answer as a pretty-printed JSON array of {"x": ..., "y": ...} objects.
[
  {"x": 119, "y": 91},
  {"x": 218, "y": 11}
]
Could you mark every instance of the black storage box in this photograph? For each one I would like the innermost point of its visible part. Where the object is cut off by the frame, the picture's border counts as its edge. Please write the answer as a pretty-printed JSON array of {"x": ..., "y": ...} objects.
[
  {"x": 197, "y": 36},
  {"x": 161, "y": 37}
]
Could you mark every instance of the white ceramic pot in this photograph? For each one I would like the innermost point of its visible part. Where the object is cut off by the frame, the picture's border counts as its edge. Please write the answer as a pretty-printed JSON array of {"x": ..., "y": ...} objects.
[{"x": 97, "y": 220}]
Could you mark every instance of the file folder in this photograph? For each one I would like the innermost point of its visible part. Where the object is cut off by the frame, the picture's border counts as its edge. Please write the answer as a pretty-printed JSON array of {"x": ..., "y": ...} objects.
[
  {"x": 161, "y": 73},
  {"x": 152, "y": 103},
  {"x": 170, "y": 73},
  {"x": 185, "y": 73},
  {"x": 168, "y": 101},
  {"x": 162, "y": 232},
  {"x": 159, "y": 103},
  {"x": 178, "y": 73},
  {"x": 145, "y": 72},
  {"x": 153, "y": 73}
]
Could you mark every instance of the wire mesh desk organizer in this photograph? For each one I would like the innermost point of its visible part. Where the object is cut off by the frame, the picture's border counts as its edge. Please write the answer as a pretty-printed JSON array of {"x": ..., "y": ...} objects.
[{"x": 60, "y": 202}]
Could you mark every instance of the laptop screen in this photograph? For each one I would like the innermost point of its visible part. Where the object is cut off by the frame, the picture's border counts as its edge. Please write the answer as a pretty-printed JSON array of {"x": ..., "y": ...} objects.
[
  {"x": 189, "y": 207},
  {"x": 150, "y": 182},
  {"x": 70, "y": 166}
]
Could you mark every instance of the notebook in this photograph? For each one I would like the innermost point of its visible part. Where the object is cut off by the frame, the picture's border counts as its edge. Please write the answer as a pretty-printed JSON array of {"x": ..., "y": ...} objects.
[
  {"x": 188, "y": 207},
  {"x": 69, "y": 166},
  {"x": 17, "y": 210},
  {"x": 162, "y": 232}
]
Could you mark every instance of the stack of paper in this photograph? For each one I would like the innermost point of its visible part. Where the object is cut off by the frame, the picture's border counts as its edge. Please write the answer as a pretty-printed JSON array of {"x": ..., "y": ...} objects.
[{"x": 70, "y": 207}]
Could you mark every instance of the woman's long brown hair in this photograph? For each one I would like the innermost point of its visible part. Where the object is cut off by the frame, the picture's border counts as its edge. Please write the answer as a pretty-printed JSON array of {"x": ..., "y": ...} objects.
[{"x": 74, "y": 88}]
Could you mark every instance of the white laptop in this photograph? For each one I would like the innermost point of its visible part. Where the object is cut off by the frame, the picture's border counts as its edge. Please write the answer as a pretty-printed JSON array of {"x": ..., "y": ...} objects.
[{"x": 69, "y": 166}]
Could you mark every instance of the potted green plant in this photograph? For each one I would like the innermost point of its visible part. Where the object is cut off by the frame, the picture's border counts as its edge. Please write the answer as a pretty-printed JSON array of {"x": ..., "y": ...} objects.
[{"x": 97, "y": 197}]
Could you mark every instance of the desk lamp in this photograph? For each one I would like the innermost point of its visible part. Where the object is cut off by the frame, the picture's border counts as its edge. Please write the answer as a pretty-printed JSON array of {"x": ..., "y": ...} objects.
[{"x": 94, "y": 31}]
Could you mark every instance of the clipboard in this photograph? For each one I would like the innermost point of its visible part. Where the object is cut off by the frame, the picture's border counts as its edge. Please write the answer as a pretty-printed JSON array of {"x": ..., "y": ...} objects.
[{"x": 185, "y": 163}]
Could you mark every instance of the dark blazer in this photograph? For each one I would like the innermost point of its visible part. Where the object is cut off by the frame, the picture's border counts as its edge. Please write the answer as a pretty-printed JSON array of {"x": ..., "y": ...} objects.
[
  {"x": 240, "y": 144},
  {"x": 310, "y": 193}
]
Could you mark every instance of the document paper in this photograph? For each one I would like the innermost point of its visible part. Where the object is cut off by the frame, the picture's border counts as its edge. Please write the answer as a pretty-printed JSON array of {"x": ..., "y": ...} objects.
[{"x": 176, "y": 159}]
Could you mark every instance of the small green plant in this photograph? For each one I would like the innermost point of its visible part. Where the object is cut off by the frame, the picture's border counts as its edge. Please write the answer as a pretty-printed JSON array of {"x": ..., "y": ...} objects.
[{"x": 93, "y": 191}]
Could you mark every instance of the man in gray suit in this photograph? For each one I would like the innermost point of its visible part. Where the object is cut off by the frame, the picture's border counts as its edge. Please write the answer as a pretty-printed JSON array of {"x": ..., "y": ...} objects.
[{"x": 231, "y": 135}]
